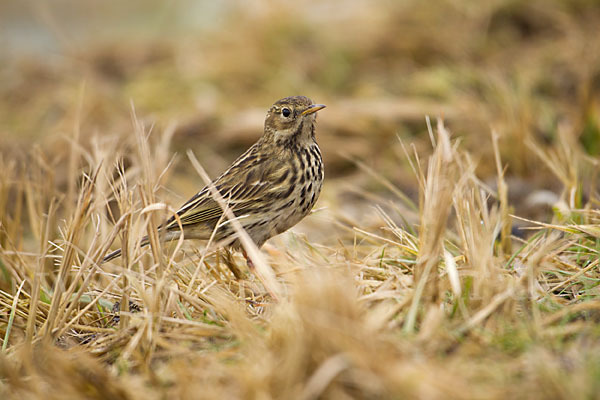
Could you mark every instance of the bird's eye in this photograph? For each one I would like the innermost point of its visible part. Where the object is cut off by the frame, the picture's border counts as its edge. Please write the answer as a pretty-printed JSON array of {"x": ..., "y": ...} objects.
[{"x": 286, "y": 112}]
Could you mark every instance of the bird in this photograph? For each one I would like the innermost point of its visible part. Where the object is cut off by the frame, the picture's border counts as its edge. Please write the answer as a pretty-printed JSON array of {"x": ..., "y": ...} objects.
[{"x": 269, "y": 188}]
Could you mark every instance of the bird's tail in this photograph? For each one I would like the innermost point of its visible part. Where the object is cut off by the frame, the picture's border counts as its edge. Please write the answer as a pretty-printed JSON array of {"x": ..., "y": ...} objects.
[
  {"x": 163, "y": 237},
  {"x": 117, "y": 253}
]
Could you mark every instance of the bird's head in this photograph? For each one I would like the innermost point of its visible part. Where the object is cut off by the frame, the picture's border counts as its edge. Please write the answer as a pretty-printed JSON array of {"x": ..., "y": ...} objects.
[{"x": 292, "y": 120}]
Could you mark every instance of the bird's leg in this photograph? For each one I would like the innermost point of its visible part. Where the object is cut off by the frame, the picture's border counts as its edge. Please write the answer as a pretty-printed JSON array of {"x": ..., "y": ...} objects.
[
  {"x": 256, "y": 273},
  {"x": 248, "y": 261},
  {"x": 229, "y": 261}
]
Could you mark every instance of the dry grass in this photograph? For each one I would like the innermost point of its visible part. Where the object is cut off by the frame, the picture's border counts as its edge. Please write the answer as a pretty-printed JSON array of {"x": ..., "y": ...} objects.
[
  {"x": 382, "y": 313},
  {"x": 408, "y": 281}
]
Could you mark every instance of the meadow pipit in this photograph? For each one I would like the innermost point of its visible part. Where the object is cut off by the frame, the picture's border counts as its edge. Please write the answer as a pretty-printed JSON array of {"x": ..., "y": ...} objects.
[{"x": 269, "y": 188}]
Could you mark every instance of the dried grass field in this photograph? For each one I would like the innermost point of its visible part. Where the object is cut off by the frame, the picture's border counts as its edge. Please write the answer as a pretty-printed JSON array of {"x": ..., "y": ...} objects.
[{"x": 453, "y": 253}]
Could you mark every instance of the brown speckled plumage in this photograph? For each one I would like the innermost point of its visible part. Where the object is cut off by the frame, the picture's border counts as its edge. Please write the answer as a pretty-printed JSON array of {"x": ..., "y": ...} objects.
[{"x": 269, "y": 188}]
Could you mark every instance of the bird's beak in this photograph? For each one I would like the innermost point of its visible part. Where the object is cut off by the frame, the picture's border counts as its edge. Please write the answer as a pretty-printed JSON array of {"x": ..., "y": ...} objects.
[{"x": 313, "y": 109}]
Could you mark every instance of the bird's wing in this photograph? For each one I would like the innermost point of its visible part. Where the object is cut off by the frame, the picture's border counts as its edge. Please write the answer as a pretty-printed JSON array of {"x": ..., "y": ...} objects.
[{"x": 245, "y": 187}]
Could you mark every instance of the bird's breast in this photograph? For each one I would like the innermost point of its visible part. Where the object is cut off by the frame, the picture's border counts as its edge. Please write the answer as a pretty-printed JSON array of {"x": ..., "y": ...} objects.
[
  {"x": 298, "y": 189},
  {"x": 306, "y": 181}
]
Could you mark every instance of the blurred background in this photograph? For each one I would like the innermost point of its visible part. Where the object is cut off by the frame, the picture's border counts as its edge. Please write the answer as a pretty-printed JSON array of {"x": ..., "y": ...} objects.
[{"x": 208, "y": 71}]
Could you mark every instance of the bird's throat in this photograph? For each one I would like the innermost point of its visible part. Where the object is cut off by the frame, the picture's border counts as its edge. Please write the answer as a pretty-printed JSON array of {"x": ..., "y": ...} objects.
[{"x": 303, "y": 135}]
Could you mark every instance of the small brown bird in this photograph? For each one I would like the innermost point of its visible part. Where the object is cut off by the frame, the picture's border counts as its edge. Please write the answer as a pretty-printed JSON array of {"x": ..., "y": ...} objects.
[{"x": 269, "y": 188}]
